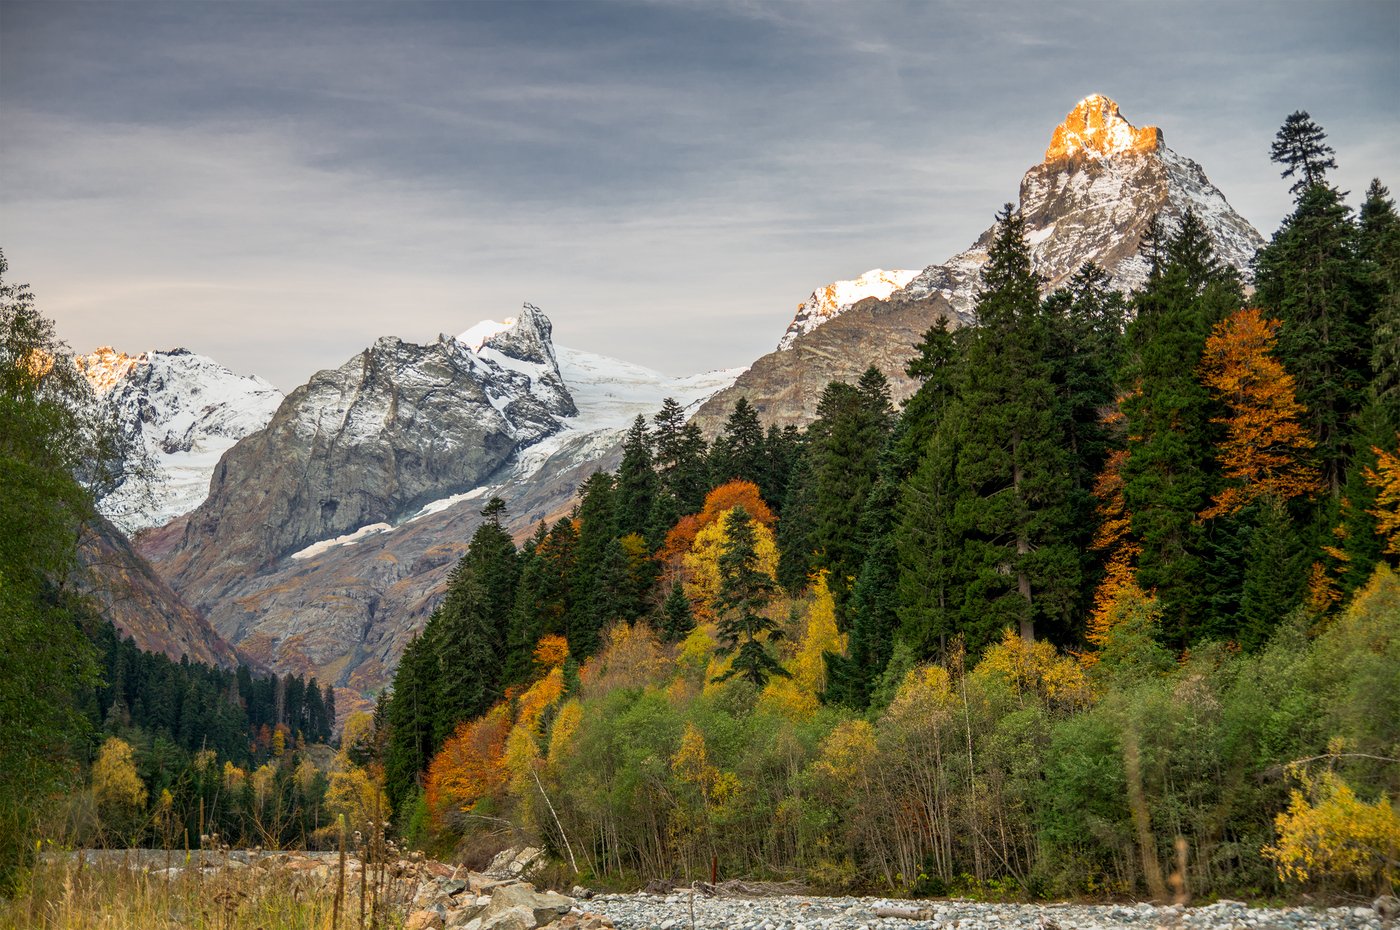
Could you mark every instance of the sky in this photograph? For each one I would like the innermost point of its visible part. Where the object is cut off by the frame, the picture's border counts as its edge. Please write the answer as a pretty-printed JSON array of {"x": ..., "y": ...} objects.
[{"x": 276, "y": 185}]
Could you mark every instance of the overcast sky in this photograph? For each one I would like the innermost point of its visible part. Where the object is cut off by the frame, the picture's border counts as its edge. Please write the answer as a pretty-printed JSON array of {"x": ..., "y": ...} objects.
[{"x": 277, "y": 184}]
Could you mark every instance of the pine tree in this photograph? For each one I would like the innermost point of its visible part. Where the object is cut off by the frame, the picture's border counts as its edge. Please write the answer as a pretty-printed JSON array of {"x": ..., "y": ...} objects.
[
  {"x": 1379, "y": 245},
  {"x": 1012, "y": 515},
  {"x": 745, "y": 590},
  {"x": 1301, "y": 147},
  {"x": 1312, "y": 278},
  {"x": 781, "y": 448},
  {"x": 1168, "y": 475},
  {"x": 739, "y": 452},
  {"x": 492, "y": 559},
  {"x": 637, "y": 482},
  {"x": 410, "y": 720},
  {"x": 676, "y": 618}
]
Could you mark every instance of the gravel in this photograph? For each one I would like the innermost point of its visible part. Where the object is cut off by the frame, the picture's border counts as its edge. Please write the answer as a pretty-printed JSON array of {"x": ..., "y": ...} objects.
[{"x": 673, "y": 912}]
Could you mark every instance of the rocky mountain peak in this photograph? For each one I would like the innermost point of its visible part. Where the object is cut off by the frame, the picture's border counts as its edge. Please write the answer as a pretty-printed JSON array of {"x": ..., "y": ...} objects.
[
  {"x": 105, "y": 367},
  {"x": 1094, "y": 129}
]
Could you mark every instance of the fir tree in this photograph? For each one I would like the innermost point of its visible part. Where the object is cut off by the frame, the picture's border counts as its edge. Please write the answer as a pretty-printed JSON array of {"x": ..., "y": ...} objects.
[
  {"x": 676, "y": 618},
  {"x": 1276, "y": 569},
  {"x": 637, "y": 482},
  {"x": 739, "y": 452},
  {"x": 745, "y": 590},
  {"x": 846, "y": 441},
  {"x": 1311, "y": 277},
  {"x": 1013, "y": 514},
  {"x": 797, "y": 528},
  {"x": 599, "y": 569},
  {"x": 1301, "y": 147},
  {"x": 1168, "y": 475},
  {"x": 680, "y": 461}
]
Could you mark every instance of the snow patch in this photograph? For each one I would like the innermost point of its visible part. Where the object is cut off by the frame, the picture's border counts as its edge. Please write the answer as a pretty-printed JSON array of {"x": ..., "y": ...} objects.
[{"x": 317, "y": 548}]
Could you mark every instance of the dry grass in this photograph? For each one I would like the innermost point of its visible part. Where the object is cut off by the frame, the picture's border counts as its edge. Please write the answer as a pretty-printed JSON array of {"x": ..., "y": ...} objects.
[{"x": 131, "y": 893}]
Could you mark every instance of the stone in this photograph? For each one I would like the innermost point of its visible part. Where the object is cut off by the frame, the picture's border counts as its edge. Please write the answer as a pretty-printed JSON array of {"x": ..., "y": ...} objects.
[
  {"x": 426, "y": 919},
  {"x": 545, "y": 907}
]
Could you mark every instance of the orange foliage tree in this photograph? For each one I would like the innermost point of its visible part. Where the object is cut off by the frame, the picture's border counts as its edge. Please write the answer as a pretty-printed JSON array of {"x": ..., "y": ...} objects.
[
  {"x": 1385, "y": 478},
  {"x": 469, "y": 765},
  {"x": 718, "y": 502},
  {"x": 1263, "y": 454},
  {"x": 1112, "y": 537}
]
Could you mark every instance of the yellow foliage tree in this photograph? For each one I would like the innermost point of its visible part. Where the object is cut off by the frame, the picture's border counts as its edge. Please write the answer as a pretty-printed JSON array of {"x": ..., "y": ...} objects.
[
  {"x": 702, "y": 562},
  {"x": 1328, "y": 832},
  {"x": 561, "y": 735},
  {"x": 799, "y": 696},
  {"x": 551, "y": 652},
  {"x": 846, "y": 753},
  {"x": 539, "y": 698},
  {"x": 1385, "y": 478},
  {"x": 115, "y": 784},
  {"x": 358, "y": 796},
  {"x": 631, "y": 657},
  {"x": 1113, "y": 537},
  {"x": 117, "y": 789},
  {"x": 1034, "y": 668}
]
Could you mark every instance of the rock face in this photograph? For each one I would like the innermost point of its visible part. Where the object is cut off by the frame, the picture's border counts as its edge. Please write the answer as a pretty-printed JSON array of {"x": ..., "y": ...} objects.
[
  {"x": 1091, "y": 199},
  {"x": 328, "y": 537},
  {"x": 186, "y": 411},
  {"x": 139, "y": 603}
]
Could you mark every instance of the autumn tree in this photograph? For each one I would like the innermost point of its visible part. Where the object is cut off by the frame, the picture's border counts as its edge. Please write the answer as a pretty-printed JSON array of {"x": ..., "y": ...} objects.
[
  {"x": 1263, "y": 452},
  {"x": 1385, "y": 478}
]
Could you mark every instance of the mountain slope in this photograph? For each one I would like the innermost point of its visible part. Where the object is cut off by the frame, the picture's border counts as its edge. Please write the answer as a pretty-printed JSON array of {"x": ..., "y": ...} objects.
[{"x": 1091, "y": 198}]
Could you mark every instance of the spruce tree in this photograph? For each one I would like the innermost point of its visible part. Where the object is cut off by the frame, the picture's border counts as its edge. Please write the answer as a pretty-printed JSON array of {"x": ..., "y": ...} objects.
[
  {"x": 463, "y": 638},
  {"x": 1275, "y": 572},
  {"x": 1169, "y": 473},
  {"x": 676, "y": 619},
  {"x": 1301, "y": 147},
  {"x": 739, "y": 451},
  {"x": 797, "y": 529},
  {"x": 846, "y": 441},
  {"x": 745, "y": 590},
  {"x": 680, "y": 461},
  {"x": 598, "y": 575},
  {"x": 637, "y": 482},
  {"x": 1311, "y": 277},
  {"x": 1013, "y": 514},
  {"x": 410, "y": 720}
]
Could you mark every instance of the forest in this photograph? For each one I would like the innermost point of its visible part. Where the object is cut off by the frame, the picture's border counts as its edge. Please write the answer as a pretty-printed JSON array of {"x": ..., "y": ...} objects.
[{"x": 1106, "y": 607}]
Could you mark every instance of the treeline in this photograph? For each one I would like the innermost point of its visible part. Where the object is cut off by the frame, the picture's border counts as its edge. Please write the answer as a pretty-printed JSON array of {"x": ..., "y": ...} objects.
[
  {"x": 196, "y": 706},
  {"x": 1078, "y": 598}
]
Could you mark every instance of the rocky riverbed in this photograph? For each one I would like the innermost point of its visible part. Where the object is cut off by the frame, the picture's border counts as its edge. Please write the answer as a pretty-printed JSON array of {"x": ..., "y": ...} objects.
[{"x": 674, "y": 912}]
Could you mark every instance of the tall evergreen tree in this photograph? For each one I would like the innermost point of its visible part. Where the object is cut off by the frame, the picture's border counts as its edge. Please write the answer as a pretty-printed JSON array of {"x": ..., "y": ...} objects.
[
  {"x": 637, "y": 482},
  {"x": 1301, "y": 147},
  {"x": 599, "y": 570},
  {"x": 797, "y": 529},
  {"x": 1168, "y": 475},
  {"x": 676, "y": 618},
  {"x": 846, "y": 441},
  {"x": 1311, "y": 277},
  {"x": 745, "y": 591},
  {"x": 739, "y": 452},
  {"x": 680, "y": 461},
  {"x": 410, "y": 720}
]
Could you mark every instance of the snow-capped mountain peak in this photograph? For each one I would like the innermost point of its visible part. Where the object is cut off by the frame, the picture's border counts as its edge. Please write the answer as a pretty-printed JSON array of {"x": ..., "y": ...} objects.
[
  {"x": 186, "y": 410},
  {"x": 839, "y": 296},
  {"x": 1095, "y": 129}
]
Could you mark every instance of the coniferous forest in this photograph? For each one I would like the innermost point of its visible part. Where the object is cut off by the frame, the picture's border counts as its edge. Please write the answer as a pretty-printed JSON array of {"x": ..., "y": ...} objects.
[{"x": 1108, "y": 604}]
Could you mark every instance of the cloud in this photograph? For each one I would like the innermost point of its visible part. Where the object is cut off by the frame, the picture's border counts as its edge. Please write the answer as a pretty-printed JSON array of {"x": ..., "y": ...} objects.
[{"x": 278, "y": 185}]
